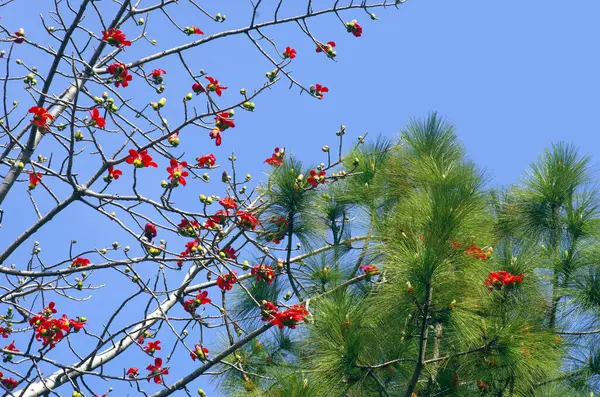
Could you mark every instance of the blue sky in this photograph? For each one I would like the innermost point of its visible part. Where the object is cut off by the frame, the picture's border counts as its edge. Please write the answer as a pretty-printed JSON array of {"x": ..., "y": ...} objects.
[{"x": 513, "y": 76}]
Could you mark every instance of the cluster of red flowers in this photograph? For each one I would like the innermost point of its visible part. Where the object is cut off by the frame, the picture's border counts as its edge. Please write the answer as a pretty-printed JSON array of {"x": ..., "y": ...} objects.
[
  {"x": 8, "y": 383},
  {"x": 318, "y": 90},
  {"x": 316, "y": 177},
  {"x": 41, "y": 117},
  {"x": 228, "y": 203},
  {"x": 200, "y": 353},
  {"x": 156, "y": 371},
  {"x": 287, "y": 318},
  {"x": 11, "y": 348},
  {"x": 156, "y": 76},
  {"x": 282, "y": 225},
  {"x": 289, "y": 53},
  {"x": 276, "y": 158},
  {"x": 119, "y": 74},
  {"x": 140, "y": 159},
  {"x": 34, "y": 179},
  {"x": 80, "y": 262},
  {"x": 502, "y": 278},
  {"x": 225, "y": 282},
  {"x": 20, "y": 36},
  {"x": 52, "y": 330},
  {"x": 113, "y": 174},
  {"x": 219, "y": 218},
  {"x": 5, "y": 331},
  {"x": 354, "y": 28},
  {"x": 223, "y": 121},
  {"x": 115, "y": 38},
  {"x": 177, "y": 173},
  {"x": 474, "y": 251},
  {"x": 263, "y": 273},
  {"x": 327, "y": 48},
  {"x": 188, "y": 228},
  {"x": 229, "y": 253},
  {"x": 247, "y": 220},
  {"x": 207, "y": 161},
  {"x": 152, "y": 347},
  {"x": 133, "y": 373},
  {"x": 190, "y": 305}
]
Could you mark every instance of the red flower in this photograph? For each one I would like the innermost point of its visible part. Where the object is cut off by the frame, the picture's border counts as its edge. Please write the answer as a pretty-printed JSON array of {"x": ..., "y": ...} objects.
[
  {"x": 96, "y": 119},
  {"x": 115, "y": 38},
  {"x": 9, "y": 383},
  {"x": 327, "y": 48},
  {"x": 5, "y": 331},
  {"x": 20, "y": 36},
  {"x": 247, "y": 220},
  {"x": 78, "y": 325},
  {"x": 49, "y": 310},
  {"x": 192, "y": 30},
  {"x": 174, "y": 139},
  {"x": 200, "y": 353},
  {"x": 503, "y": 278},
  {"x": 188, "y": 228},
  {"x": 316, "y": 177},
  {"x": 207, "y": 161},
  {"x": 41, "y": 117},
  {"x": 177, "y": 173},
  {"x": 197, "y": 88},
  {"x": 12, "y": 347},
  {"x": 140, "y": 159},
  {"x": 223, "y": 121},
  {"x": 133, "y": 373},
  {"x": 226, "y": 282},
  {"x": 191, "y": 305},
  {"x": 263, "y": 273},
  {"x": 156, "y": 76},
  {"x": 114, "y": 174},
  {"x": 51, "y": 331},
  {"x": 354, "y": 28},
  {"x": 150, "y": 231},
  {"x": 157, "y": 371},
  {"x": 318, "y": 90},
  {"x": 228, "y": 203},
  {"x": 268, "y": 311},
  {"x": 276, "y": 158},
  {"x": 289, "y": 53},
  {"x": 475, "y": 252},
  {"x": 290, "y": 317},
  {"x": 213, "y": 86},
  {"x": 34, "y": 179},
  {"x": 215, "y": 134},
  {"x": 80, "y": 262},
  {"x": 152, "y": 347},
  {"x": 120, "y": 74},
  {"x": 371, "y": 270}
]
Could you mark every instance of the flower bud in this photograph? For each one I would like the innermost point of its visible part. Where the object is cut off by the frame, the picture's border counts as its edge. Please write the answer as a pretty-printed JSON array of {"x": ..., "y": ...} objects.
[{"x": 189, "y": 96}]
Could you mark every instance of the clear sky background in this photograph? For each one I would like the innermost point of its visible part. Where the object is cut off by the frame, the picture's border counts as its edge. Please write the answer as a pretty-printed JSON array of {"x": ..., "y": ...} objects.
[{"x": 513, "y": 76}]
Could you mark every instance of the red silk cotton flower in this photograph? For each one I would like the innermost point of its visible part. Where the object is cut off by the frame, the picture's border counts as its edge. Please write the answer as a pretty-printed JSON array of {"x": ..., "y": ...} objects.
[
  {"x": 177, "y": 172},
  {"x": 228, "y": 203},
  {"x": 290, "y": 317},
  {"x": 152, "y": 347},
  {"x": 289, "y": 53},
  {"x": 223, "y": 121},
  {"x": 140, "y": 159},
  {"x": 34, "y": 179},
  {"x": 9, "y": 383},
  {"x": 192, "y": 30},
  {"x": 502, "y": 278},
  {"x": 354, "y": 28},
  {"x": 207, "y": 161},
  {"x": 41, "y": 117},
  {"x": 133, "y": 373},
  {"x": 113, "y": 173},
  {"x": 247, "y": 220},
  {"x": 263, "y": 273},
  {"x": 150, "y": 231},
  {"x": 327, "y": 48},
  {"x": 157, "y": 371},
  {"x": 156, "y": 76},
  {"x": 20, "y": 36},
  {"x": 370, "y": 270},
  {"x": 200, "y": 353},
  {"x": 226, "y": 282},
  {"x": 316, "y": 177},
  {"x": 276, "y": 158},
  {"x": 213, "y": 86},
  {"x": 119, "y": 74},
  {"x": 80, "y": 262},
  {"x": 115, "y": 38},
  {"x": 98, "y": 121},
  {"x": 190, "y": 305},
  {"x": 318, "y": 90}
]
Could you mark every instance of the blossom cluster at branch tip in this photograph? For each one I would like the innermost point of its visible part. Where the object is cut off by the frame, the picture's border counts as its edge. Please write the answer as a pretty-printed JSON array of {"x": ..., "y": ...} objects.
[
  {"x": 157, "y": 371},
  {"x": 327, "y": 48},
  {"x": 263, "y": 273},
  {"x": 177, "y": 172},
  {"x": 190, "y": 305},
  {"x": 207, "y": 161},
  {"x": 290, "y": 317},
  {"x": 80, "y": 262},
  {"x": 34, "y": 179},
  {"x": 190, "y": 30},
  {"x": 41, "y": 117},
  {"x": 289, "y": 53},
  {"x": 317, "y": 90},
  {"x": 51, "y": 330},
  {"x": 354, "y": 28},
  {"x": 199, "y": 353},
  {"x": 157, "y": 76},
  {"x": 96, "y": 119},
  {"x": 223, "y": 122},
  {"x": 276, "y": 158},
  {"x": 226, "y": 281},
  {"x": 140, "y": 159},
  {"x": 119, "y": 74},
  {"x": 115, "y": 38},
  {"x": 502, "y": 278},
  {"x": 316, "y": 177}
]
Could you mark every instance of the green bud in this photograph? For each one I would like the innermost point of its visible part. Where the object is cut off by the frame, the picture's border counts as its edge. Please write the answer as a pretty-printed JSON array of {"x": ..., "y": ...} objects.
[{"x": 189, "y": 96}]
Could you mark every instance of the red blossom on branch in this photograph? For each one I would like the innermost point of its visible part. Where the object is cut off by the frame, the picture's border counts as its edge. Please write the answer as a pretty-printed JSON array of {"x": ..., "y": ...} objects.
[
  {"x": 318, "y": 90},
  {"x": 177, "y": 172},
  {"x": 150, "y": 231},
  {"x": 276, "y": 158},
  {"x": 228, "y": 203},
  {"x": 34, "y": 179},
  {"x": 370, "y": 270},
  {"x": 115, "y": 38},
  {"x": 80, "y": 262},
  {"x": 113, "y": 174},
  {"x": 316, "y": 177},
  {"x": 9, "y": 383},
  {"x": 174, "y": 139},
  {"x": 157, "y": 371},
  {"x": 226, "y": 282},
  {"x": 289, "y": 53},
  {"x": 200, "y": 353},
  {"x": 41, "y": 117},
  {"x": 20, "y": 36},
  {"x": 502, "y": 278},
  {"x": 207, "y": 161},
  {"x": 263, "y": 273},
  {"x": 214, "y": 86},
  {"x": 354, "y": 28},
  {"x": 156, "y": 76},
  {"x": 190, "y": 305},
  {"x": 120, "y": 74},
  {"x": 188, "y": 228},
  {"x": 192, "y": 30},
  {"x": 290, "y": 317},
  {"x": 97, "y": 120},
  {"x": 132, "y": 373},
  {"x": 152, "y": 347},
  {"x": 140, "y": 159},
  {"x": 327, "y": 48},
  {"x": 247, "y": 220}
]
